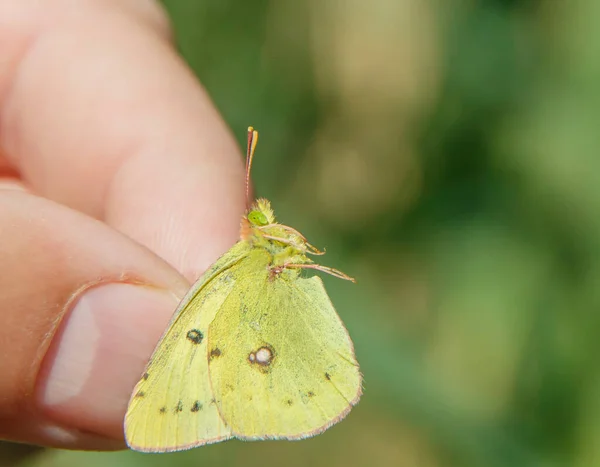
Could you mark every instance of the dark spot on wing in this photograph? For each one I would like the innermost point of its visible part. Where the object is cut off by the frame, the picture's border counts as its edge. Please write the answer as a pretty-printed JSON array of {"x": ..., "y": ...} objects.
[
  {"x": 145, "y": 376},
  {"x": 289, "y": 402},
  {"x": 213, "y": 401},
  {"x": 163, "y": 410},
  {"x": 310, "y": 394},
  {"x": 195, "y": 336},
  {"x": 140, "y": 394},
  {"x": 196, "y": 407},
  {"x": 327, "y": 376},
  {"x": 179, "y": 407},
  {"x": 215, "y": 353}
]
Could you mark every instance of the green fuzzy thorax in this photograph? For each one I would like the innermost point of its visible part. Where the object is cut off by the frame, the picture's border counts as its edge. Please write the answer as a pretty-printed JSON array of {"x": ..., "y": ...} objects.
[{"x": 284, "y": 246}]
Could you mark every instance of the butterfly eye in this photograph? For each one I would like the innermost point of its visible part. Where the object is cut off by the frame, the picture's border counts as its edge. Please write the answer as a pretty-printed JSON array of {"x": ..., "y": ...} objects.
[{"x": 257, "y": 218}]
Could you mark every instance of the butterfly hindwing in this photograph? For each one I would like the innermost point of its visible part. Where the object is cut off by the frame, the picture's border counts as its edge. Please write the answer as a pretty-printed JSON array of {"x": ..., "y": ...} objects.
[
  {"x": 281, "y": 363},
  {"x": 172, "y": 406}
]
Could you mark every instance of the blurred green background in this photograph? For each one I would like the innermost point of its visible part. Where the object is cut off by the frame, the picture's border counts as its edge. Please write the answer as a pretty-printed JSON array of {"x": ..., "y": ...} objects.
[{"x": 445, "y": 153}]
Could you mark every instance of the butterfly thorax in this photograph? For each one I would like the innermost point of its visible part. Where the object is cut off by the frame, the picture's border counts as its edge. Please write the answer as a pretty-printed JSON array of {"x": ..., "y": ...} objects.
[{"x": 288, "y": 248}]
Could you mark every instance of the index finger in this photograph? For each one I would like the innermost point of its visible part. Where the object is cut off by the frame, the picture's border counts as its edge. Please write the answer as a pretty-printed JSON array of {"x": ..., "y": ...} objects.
[{"x": 100, "y": 114}]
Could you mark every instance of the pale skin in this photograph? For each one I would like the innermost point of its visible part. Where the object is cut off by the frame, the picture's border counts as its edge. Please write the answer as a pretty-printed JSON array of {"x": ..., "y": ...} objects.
[{"x": 119, "y": 185}]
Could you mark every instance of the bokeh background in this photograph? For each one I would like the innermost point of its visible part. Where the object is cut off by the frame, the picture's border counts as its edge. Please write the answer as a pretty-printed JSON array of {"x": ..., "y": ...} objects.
[{"x": 446, "y": 154}]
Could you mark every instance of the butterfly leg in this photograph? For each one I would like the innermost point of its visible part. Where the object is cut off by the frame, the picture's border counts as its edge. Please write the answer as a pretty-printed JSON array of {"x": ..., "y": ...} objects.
[
  {"x": 308, "y": 248},
  {"x": 318, "y": 267}
]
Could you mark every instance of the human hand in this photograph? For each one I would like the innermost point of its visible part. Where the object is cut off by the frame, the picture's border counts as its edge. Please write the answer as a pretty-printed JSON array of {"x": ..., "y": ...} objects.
[{"x": 119, "y": 184}]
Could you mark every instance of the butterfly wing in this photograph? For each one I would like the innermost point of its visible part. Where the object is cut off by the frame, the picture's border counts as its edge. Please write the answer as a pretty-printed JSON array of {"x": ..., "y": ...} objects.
[
  {"x": 282, "y": 365},
  {"x": 172, "y": 406}
]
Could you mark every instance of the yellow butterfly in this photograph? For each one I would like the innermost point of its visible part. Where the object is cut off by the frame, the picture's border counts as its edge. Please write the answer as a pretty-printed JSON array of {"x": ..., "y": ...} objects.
[{"x": 254, "y": 351}]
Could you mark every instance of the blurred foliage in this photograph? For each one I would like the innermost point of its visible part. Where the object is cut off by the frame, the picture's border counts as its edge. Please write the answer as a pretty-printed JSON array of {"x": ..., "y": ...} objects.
[{"x": 444, "y": 152}]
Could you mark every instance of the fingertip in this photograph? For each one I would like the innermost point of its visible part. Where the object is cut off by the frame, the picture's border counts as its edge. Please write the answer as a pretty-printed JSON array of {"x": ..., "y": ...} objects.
[{"x": 99, "y": 354}]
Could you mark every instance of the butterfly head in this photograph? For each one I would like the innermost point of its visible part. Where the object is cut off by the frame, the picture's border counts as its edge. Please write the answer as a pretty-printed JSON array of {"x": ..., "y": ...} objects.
[
  {"x": 258, "y": 218},
  {"x": 261, "y": 214}
]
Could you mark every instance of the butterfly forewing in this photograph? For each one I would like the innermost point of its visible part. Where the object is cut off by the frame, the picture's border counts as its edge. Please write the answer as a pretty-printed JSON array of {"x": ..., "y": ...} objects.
[{"x": 172, "y": 406}]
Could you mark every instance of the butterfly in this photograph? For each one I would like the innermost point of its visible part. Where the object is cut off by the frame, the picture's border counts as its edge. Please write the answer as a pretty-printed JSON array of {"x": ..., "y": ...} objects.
[{"x": 254, "y": 351}]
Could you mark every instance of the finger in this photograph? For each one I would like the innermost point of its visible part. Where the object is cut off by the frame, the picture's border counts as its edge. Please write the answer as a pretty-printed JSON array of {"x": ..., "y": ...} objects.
[
  {"x": 100, "y": 114},
  {"x": 87, "y": 302}
]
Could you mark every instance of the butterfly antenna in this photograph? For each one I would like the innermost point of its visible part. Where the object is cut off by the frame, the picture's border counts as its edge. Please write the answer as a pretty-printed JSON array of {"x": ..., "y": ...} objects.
[{"x": 252, "y": 140}]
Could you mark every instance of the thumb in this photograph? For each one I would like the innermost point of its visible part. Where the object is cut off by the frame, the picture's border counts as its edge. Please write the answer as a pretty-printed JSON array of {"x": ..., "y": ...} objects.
[{"x": 81, "y": 307}]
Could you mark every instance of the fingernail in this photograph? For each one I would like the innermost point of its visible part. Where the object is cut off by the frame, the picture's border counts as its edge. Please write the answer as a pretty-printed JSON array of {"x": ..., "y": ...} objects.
[
  {"x": 100, "y": 353},
  {"x": 43, "y": 433},
  {"x": 63, "y": 438}
]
